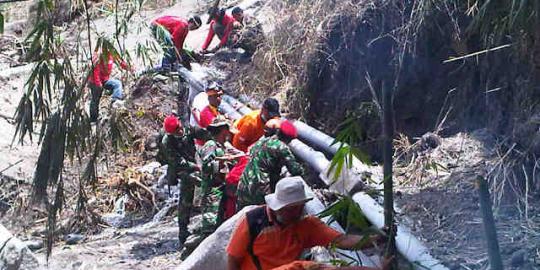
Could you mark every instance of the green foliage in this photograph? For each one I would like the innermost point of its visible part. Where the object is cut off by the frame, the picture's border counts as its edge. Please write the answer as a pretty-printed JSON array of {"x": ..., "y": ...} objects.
[
  {"x": 350, "y": 134},
  {"x": 346, "y": 210},
  {"x": 55, "y": 96},
  {"x": 1, "y": 22},
  {"x": 499, "y": 18}
]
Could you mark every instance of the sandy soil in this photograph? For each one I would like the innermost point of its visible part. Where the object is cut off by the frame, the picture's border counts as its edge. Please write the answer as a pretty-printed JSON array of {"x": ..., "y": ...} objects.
[{"x": 443, "y": 209}]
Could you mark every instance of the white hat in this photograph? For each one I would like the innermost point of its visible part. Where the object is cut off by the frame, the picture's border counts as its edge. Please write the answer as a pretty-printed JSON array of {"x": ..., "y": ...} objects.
[{"x": 289, "y": 190}]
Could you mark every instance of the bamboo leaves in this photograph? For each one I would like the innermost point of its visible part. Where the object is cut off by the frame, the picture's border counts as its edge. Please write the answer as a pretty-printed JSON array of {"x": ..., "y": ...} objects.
[
  {"x": 347, "y": 211},
  {"x": 350, "y": 135}
]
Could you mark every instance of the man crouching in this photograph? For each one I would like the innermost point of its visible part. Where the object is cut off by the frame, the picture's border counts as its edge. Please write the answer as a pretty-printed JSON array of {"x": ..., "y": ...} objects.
[{"x": 274, "y": 235}]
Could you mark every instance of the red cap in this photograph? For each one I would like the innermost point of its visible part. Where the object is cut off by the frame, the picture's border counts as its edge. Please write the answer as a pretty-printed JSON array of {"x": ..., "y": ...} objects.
[
  {"x": 288, "y": 129},
  {"x": 171, "y": 124}
]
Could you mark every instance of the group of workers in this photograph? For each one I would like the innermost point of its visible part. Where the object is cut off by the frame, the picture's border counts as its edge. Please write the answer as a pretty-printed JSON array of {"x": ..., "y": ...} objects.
[
  {"x": 242, "y": 163},
  {"x": 234, "y": 30},
  {"x": 229, "y": 165}
]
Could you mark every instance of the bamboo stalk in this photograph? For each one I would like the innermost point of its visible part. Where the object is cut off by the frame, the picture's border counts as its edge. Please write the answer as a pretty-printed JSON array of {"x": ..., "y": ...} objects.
[
  {"x": 388, "y": 133},
  {"x": 494, "y": 254}
]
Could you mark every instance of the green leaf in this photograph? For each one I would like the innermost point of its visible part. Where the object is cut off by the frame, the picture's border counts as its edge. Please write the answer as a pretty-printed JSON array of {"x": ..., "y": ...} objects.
[{"x": 1, "y": 23}]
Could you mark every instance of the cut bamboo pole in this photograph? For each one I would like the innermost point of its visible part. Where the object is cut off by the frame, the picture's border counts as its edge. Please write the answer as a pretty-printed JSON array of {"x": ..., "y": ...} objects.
[{"x": 494, "y": 253}]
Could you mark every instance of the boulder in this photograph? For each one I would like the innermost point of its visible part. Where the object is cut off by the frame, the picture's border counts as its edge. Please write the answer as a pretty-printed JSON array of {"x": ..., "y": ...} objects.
[
  {"x": 14, "y": 254},
  {"x": 210, "y": 254}
]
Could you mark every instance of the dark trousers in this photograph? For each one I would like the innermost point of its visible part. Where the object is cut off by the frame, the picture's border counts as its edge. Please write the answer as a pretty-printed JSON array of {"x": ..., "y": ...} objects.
[{"x": 185, "y": 204}]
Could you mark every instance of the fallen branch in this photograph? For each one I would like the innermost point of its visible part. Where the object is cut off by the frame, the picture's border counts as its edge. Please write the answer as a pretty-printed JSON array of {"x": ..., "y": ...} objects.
[
  {"x": 476, "y": 53},
  {"x": 11, "y": 165}
]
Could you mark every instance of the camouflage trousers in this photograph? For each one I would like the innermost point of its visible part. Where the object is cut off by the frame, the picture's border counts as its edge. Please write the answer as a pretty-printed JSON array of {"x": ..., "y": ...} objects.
[
  {"x": 185, "y": 203},
  {"x": 212, "y": 210}
]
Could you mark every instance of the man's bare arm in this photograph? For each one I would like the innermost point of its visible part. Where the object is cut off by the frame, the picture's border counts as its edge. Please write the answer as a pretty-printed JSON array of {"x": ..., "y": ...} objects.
[{"x": 351, "y": 241}]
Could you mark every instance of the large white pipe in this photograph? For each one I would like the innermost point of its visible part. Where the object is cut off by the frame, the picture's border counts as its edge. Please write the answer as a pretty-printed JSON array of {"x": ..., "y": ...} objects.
[
  {"x": 316, "y": 138},
  {"x": 314, "y": 207},
  {"x": 409, "y": 246}
]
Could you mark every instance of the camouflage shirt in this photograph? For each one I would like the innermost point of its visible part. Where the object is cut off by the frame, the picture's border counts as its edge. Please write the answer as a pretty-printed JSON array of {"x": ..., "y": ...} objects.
[
  {"x": 268, "y": 156},
  {"x": 212, "y": 185},
  {"x": 210, "y": 166},
  {"x": 180, "y": 151}
]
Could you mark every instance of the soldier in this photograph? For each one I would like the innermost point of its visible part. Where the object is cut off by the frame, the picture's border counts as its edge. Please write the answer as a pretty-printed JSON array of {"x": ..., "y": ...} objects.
[
  {"x": 247, "y": 32},
  {"x": 267, "y": 157},
  {"x": 180, "y": 153},
  {"x": 217, "y": 155}
]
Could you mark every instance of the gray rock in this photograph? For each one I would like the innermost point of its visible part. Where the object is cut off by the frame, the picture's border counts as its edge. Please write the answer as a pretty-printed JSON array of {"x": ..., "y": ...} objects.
[
  {"x": 117, "y": 220},
  {"x": 518, "y": 257},
  {"x": 34, "y": 244},
  {"x": 150, "y": 168},
  {"x": 210, "y": 254},
  {"x": 73, "y": 238},
  {"x": 14, "y": 254}
]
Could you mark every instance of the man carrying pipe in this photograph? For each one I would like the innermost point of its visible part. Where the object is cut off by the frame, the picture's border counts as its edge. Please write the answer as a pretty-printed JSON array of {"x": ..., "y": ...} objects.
[
  {"x": 251, "y": 126},
  {"x": 180, "y": 155},
  {"x": 274, "y": 235},
  {"x": 171, "y": 32},
  {"x": 267, "y": 157}
]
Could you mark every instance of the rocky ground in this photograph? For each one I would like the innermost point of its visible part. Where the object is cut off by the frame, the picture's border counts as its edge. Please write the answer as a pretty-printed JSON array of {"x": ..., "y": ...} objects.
[{"x": 437, "y": 193}]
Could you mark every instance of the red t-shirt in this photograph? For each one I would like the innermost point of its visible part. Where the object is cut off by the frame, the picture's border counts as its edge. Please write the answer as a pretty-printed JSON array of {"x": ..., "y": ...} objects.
[
  {"x": 205, "y": 119},
  {"x": 207, "y": 115},
  {"x": 177, "y": 27},
  {"x": 276, "y": 246},
  {"x": 228, "y": 22},
  {"x": 102, "y": 69}
]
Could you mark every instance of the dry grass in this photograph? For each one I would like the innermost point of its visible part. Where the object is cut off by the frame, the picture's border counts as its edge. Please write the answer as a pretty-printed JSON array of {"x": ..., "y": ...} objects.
[{"x": 281, "y": 64}]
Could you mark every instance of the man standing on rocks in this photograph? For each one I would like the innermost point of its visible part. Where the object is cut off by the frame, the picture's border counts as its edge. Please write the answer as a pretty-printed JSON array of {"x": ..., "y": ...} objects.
[
  {"x": 180, "y": 152},
  {"x": 267, "y": 156},
  {"x": 251, "y": 126},
  {"x": 171, "y": 32}
]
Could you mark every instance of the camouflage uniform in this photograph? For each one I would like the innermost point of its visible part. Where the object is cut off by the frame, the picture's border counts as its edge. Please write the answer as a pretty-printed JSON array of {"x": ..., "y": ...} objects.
[
  {"x": 249, "y": 36},
  {"x": 180, "y": 153},
  {"x": 268, "y": 156},
  {"x": 212, "y": 186}
]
